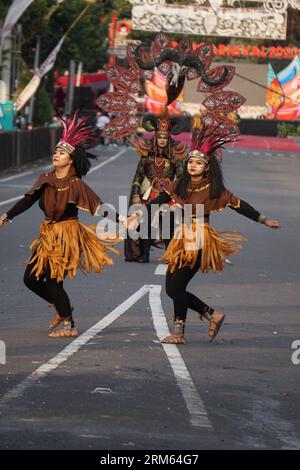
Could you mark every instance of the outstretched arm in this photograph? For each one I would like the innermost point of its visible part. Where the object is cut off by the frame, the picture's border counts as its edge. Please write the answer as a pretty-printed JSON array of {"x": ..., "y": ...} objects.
[
  {"x": 248, "y": 211},
  {"x": 21, "y": 206}
]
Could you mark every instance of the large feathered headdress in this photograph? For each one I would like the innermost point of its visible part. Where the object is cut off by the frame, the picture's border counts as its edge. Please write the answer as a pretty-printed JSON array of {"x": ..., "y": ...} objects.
[
  {"x": 209, "y": 139},
  {"x": 177, "y": 64},
  {"x": 76, "y": 133}
]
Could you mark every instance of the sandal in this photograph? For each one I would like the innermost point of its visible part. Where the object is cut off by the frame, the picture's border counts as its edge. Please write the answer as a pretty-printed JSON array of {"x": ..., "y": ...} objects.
[
  {"x": 174, "y": 338},
  {"x": 216, "y": 320},
  {"x": 64, "y": 333},
  {"x": 57, "y": 319}
]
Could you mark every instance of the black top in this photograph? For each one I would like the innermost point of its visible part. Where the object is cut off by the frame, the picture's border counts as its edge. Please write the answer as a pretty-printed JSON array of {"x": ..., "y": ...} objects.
[
  {"x": 27, "y": 201},
  {"x": 245, "y": 209}
]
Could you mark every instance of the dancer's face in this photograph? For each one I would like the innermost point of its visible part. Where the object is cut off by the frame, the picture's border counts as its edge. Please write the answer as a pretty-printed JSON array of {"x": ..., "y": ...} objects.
[
  {"x": 61, "y": 158},
  {"x": 196, "y": 166},
  {"x": 162, "y": 140}
]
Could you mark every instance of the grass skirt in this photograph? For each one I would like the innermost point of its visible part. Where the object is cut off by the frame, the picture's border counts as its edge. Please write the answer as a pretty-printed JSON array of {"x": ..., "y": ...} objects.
[
  {"x": 216, "y": 246},
  {"x": 66, "y": 246}
]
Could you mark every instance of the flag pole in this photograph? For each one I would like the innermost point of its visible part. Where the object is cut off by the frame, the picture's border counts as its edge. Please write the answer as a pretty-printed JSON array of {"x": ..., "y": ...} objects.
[{"x": 83, "y": 12}]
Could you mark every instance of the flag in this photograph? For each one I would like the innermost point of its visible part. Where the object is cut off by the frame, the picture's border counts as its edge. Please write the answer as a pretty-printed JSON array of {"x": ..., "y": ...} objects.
[
  {"x": 274, "y": 96},
  {"x": 33, "y": 85},
  {"x": 287, "y": 83},
  {"x": 27, "y": 93},
  {"x": 50, "y": 61},
  {"x": 15, "y": 11}
]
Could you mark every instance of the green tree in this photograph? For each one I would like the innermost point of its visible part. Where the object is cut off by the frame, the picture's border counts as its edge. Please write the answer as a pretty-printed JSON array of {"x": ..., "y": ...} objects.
[
  {"x": 42, "y": 110},
  {"x": 85, "y": 43}
]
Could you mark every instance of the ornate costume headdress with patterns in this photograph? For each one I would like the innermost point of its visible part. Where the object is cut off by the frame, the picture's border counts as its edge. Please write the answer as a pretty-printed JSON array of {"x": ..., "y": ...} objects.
[
  {"x": 178, "y": 64},
  {"x": 163, "y": 126}
]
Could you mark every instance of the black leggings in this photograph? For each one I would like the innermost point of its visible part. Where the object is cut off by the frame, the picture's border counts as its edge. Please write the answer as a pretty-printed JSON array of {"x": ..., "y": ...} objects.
[
  {"x": 176, "y": 284},
  {"x": 50, "y": 290}
]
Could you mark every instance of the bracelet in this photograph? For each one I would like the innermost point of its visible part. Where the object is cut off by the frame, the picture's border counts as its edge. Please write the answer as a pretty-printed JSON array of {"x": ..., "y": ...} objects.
[
  {"x": 261, "y": 218},
  {"x": 5, "y": 217}
]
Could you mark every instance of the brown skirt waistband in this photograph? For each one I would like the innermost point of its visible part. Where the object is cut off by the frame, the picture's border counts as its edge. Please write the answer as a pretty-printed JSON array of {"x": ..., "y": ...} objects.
[{"x": 48, "y": 220}]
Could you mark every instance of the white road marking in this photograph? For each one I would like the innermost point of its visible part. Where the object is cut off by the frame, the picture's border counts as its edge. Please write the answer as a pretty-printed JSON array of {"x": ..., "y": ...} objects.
[
  {"x": 13, "y": 199},
  {"x": 14, "y": 186},
  {"x": 161, "y": 269},
  {"x": 114, "y": 157},
  {"x": 13, "y": 177},
  {"x": 194, "y": 403},
  {"x": 72, "y": 348}
]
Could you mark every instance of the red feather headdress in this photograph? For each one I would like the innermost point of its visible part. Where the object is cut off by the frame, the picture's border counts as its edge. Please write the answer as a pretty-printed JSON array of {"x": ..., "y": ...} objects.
[
  {"x": 76, "y": 133},
  {"x": 207, "y": 140}
]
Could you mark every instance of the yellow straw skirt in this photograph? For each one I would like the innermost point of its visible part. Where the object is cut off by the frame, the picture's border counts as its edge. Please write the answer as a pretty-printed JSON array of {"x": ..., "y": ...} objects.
[
  {"x": 68, "y": 245},
  {"x": 216, "y": 246}
]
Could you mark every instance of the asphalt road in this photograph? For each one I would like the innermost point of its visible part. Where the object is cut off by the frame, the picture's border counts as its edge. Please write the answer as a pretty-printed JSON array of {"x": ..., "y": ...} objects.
[{"x": 116, "y": 386}]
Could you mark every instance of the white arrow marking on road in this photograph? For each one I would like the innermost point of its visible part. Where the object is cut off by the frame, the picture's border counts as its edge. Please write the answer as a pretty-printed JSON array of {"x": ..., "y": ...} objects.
[{"x": 194, "y": 404}]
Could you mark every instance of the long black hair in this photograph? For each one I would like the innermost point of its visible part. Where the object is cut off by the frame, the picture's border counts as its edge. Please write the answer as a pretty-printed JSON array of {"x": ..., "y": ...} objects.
[
  {"x": 215, "y": 177},
  {"x": 81, "y": 161}
]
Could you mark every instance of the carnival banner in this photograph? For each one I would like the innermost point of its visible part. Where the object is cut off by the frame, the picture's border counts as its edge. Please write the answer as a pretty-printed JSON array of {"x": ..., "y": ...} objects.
[{"x": 253, "y": 50}]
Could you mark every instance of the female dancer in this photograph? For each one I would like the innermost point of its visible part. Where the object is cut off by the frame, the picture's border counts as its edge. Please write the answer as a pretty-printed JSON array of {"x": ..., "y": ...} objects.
[
  {"x": 64, "y": 244},
  {"x": 201, "y": 183}
]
